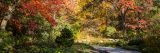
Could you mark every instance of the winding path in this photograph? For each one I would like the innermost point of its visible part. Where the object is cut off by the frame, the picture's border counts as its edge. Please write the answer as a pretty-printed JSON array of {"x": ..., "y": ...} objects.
[{"x": 113, "y": 50}]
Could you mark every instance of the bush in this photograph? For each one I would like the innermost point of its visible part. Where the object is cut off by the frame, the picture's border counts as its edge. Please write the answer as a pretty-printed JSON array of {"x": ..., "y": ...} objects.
[
  {"x": 109, "y": 31},
  {"x": 153, "y": 37},
  {"x": 153, "y": 44},
  {"x": 6, "y": 42},
  {"x": 65, "y": 39}
]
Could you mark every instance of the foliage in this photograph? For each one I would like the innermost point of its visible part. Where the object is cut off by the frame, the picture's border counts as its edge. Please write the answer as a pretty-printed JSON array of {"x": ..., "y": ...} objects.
[
  {"x": 152, "y": 38},
  {"x": 6, "y": 42},
  {"x": 152, "y": 43},
  {"x": 134, "y": 23},
  {"x": 65, "y": 39},
  {"x": 110, "y": 31},
  {"x": 33, "y": 7}
]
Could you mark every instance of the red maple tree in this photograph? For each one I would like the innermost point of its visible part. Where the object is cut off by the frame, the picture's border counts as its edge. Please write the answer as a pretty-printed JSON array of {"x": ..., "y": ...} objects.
[
  {"x": 43, "y": 7},
  {"x": 132, "y": 12}
]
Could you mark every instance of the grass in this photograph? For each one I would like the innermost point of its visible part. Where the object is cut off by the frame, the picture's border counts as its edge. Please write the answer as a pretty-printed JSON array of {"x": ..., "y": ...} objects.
[
  {"x": 92, "y": 40},
  {"x": 75, "y": 48}
]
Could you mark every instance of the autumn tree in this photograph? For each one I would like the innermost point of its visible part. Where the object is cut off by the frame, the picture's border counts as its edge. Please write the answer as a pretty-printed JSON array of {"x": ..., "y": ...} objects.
[
  {"x": 92, "y": 14},
  {"x": 31, "y": 8},
  {"x": 131, "y": 9}
]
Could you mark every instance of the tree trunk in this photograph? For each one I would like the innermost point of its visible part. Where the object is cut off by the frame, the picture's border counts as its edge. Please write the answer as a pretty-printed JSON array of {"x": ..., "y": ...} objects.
[
  {"x": 122, "y": 20},
  {"x": 7, "y": 17}
]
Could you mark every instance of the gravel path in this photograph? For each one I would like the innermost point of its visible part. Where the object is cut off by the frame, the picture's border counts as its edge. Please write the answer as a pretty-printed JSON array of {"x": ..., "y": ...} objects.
[{"x": 113, "y": 50}]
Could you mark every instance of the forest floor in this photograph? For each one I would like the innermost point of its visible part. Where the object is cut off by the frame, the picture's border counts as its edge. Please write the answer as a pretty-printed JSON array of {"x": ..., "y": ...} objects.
[
  {"x": 83, "y": 44},
  {"x": 102, "y": 45},
  {"x": 95, "y": 40}
]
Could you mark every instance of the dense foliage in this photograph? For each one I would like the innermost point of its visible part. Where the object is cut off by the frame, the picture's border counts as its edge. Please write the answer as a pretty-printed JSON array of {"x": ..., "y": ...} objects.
[
  {"x": 65, "y": 39},
  {"x": 41, "y": 24}
]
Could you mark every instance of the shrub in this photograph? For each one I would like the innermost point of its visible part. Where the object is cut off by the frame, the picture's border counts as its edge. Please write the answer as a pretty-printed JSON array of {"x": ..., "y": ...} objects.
[
  {"x": 153, "y": 44},
  {"x": 153, "y": 37},
  {"x": 109, "y": 31},
  {"x": 6, "y": 42},
  {"x": 65, "y": 39}
]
